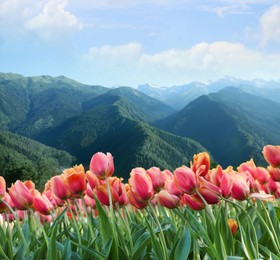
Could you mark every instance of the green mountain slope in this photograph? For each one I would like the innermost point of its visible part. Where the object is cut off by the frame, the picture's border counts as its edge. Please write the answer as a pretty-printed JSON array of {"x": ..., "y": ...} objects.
[
  {"x": 148, "y": 109},
  {"x": 112, "y": 128},
  {"x": 231, "y": 124},
  {"x": 22, "y": 158},
  {"x": 29, "y": 105}
]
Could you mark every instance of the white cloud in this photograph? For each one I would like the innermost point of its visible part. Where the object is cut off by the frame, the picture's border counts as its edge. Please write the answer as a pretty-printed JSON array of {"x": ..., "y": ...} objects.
[
  {"x": 130, "y": 65},
  {"x": 47, "y": 18},
  {"x": 270, "y": 25}
]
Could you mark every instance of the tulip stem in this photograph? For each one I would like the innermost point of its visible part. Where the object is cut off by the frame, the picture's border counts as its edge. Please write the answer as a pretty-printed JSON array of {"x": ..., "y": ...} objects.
[
  {"x": 162, "y": 240},
  {"x": 19, "y": 229},
  {"x": 207, "y": 207}
]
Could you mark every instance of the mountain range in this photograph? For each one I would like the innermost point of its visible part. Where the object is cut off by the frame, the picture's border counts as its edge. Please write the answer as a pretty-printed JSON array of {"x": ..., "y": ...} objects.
[{"x": 147, "y": 126}]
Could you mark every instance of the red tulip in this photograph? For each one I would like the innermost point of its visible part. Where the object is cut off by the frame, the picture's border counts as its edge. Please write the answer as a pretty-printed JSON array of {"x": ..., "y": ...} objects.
[
  {"x": 21, "y": 196},
  {"x": 262, "y": 175},
  {"x": 185, "y": 179},
  {"x": 42, "y": 204},
  {"x": 75, "y": 179},
  {"x": 157, "y": 178},
  {"x": 2, "y": 188},
  {"x": 168, "y": 200},
  {"x": 102, "y": 165},
  {"x": 193, "y": 201},
  {"x": 92, "y": 179},
  {"x": 59, "y": 188},
  {"x": 141, "y": 185},
  {"x": 201, "y": 163},
  {"x": 272, "y": 155}
]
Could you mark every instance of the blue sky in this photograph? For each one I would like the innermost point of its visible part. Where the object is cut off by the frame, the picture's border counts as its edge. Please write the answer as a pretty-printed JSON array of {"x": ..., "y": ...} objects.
[{"x": 130, "y": 42}]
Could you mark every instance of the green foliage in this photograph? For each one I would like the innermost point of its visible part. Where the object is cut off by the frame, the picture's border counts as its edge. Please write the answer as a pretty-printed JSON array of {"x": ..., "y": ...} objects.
[{"x": 22, "y": 158}]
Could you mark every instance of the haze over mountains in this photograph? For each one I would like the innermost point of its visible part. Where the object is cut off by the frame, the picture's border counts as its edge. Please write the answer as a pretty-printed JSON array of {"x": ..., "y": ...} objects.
[{"x": 230, "y": 118}]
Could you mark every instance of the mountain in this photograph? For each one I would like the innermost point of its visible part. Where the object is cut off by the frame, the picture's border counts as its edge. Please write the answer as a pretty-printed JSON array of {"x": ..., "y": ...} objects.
[
  {"x": 148, "y": 109},
  {"x": 114, "y": 127},
  {"x": 180, "y": 96},
  {"x": 23, "y": 158},
  {"x": 232, "y": 124},
  {"x": 29, "y": 105}
]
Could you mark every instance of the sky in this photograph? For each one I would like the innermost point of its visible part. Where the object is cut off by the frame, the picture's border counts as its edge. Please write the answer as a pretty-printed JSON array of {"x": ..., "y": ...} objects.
[{"x": 132, "y": 42}]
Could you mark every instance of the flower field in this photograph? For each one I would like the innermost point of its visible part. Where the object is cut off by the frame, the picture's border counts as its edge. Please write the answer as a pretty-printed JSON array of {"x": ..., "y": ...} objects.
[{"x": 192, "y": 213}]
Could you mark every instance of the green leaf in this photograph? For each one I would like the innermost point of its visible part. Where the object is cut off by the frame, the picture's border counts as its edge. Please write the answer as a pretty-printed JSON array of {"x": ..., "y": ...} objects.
[
  {"x": 182, "y": 249},
  {"x": 140, "y": 245},
  {"x": 66, "y": 254},
  {"x": 52, "y": 250}
]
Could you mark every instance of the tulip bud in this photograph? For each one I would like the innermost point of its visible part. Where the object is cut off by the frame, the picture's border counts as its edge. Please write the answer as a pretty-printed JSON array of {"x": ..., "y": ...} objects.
[
  {"x": 185, "y": 179},
  {"x": 42, "y": 204},
  {"x": 201, "y": 163},
  {"x": 168, "y": 200},
  {"x": 157, "y": 178},
  {"x": 272, "y": 155},
  {"x": 59, "y": 188},
  {"x": 232, "y": 223},
  {"x": 102, "y": 165}
]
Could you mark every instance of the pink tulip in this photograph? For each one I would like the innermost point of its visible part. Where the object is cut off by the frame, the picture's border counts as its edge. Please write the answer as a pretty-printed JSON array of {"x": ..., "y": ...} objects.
[
  {"x": 75, "y": 179},
  {"x": 141, "y": 185},
  {"x": 186, "y": 180},
  {"x": 240, "y": 187},
  {"x": 168, "y": 200},
  {"x": 42, "y": 204},
  {"x": 2, "y": 188},
  {"x": 215, "y": 175},
  {"x": 7, "y": 200},
  {"x": 172, "y": 188},
  {"x": 193, "y": 201},
  {"x": 210, "y": 192},
  {"x": 157, "y": 178},
  {"x": 92, "y": 179},
  {"x": 262, "y": 175},
  {"x": 20, "y": 196},
  {"x": 248, "y": 167},
  {"x": 226, "y": 185},
  {"x": 90, "y": 202},
  {"x": 102, "y": 165},
  {"x": 272, "y": 155},
  {"x": 59, "y": 188},
  {"x": 201, "y": 163},
  {"x": 136, "y": 203},
  {"x": 274, "y": 173}
]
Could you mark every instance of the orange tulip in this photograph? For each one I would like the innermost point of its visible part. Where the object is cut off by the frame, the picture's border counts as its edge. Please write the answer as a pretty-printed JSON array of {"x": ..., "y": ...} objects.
[
  {"x": 185, "y": 179},
  {"x": 2, "y": 188},
  {"x": 232, "y": 223},
  {"x": 59, "y": 188},
  {"x": 272, "y": 155},
  {"x": 75, "y": 179},
  {"x": 168, "y": 200},
  {"x": 42, "y": 204},
  {"x": 102, "y": 165},
  {"x": 201, "y": 163},
  {"x": 141, "y": 185},
  {"x": 137, "y": 204},
  {"x": 20, "y": 196}
]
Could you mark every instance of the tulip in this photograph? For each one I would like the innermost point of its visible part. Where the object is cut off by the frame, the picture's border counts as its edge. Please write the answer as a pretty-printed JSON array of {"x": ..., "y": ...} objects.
[
  {"x": 185, "y": 179},
  {"x": 272, "y": 155},
  {"x": 262, "y": 175},
  {"x": 59, "y": 188},
  {"x": 232, "y": 223},
  {"x": 141, "y": 185},
  {"x": 136, "y": 203},
  {"x": 248, "y": 167},
  {"x": 42, "y": 204},
  {"x": 172, "y": 188},
  {"x": 262, "y": 196},
  {"x": 2, "y": 188},
  {"x": 274, "y": 173},
  {"x": 210, "y": 192},
  {"x": 215, "y": 175},
  {"x": 240, "y": 187},
  {"x": 92, "y": 179},
  {"x": 168, "y": 200},
  {"x": 20, "y": 196},
  {"x": 157, "y": 178},
  {"x": 201, "y": 163},
  {"x": 3, "y": 204},
  {"x": 75, "y": 179},
  {"x": 89, "y": 201},
  {"x": 193, "y": 201},
  {"x": 102, "y": 165},
  {"x": 226, "y": 185}
]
